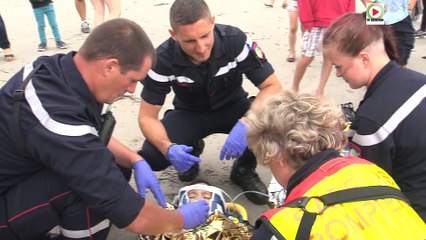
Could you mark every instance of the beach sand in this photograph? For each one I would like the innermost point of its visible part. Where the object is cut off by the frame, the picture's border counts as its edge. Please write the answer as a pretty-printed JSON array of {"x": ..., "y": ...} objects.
[{"x": 267, "y": 26}]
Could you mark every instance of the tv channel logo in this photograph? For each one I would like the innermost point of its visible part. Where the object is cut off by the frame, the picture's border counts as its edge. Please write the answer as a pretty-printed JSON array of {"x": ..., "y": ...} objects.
[{"x": 375, "y": 13}]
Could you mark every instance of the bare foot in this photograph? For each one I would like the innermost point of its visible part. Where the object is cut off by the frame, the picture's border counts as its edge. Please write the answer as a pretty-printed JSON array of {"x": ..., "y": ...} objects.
[
  {"x": 291, "y": 58},
  {"x": 8, "y": 55}
]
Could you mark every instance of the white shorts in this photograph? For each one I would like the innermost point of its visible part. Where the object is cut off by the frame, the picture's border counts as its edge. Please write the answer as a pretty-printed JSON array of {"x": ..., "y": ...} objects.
[
  {"x": 292, "y": 6},
  {"x": 312, "y": 41}
]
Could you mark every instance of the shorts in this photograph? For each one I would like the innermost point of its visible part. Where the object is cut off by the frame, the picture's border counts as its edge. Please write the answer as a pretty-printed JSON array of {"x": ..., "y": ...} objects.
[
  {"x": 311, "y": 42},
  {"x": 292, "y": 6}
]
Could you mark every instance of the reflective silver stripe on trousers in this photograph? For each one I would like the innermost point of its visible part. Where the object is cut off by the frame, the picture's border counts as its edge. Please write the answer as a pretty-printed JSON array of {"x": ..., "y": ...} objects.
[{"x": 85, "y": 233}]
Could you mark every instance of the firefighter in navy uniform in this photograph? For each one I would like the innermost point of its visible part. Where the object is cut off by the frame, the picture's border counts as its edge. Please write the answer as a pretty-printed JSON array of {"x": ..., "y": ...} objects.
[
  {"x": 203, "y": 63},
  {"x": 389, "y": 122},
  {"x": 393, "y": 137},
  {"x": 57, "y": 165},
  {"x": 299, "y": 138}
]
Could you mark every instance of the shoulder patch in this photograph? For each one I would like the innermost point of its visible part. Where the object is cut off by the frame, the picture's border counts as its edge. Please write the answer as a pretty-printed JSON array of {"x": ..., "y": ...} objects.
[
  {"x": 258, "y": 51},
  {"x": 354, "y": 150}
]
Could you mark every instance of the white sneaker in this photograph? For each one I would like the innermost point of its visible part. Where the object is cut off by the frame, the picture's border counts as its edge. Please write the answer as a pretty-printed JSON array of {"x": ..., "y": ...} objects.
[{"x": 85, "y": 28}]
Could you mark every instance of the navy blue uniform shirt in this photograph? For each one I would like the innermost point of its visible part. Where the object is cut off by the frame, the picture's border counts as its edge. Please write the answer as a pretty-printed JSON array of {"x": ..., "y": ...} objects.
[
  {"x": 212, "y": 84},
  {"x": 59, "y": 121},
  {"x": 389, "y": 130}
]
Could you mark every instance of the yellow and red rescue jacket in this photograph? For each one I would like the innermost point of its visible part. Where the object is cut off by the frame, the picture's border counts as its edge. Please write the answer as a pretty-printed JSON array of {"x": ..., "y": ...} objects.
[{"x": 345, "y": 198}]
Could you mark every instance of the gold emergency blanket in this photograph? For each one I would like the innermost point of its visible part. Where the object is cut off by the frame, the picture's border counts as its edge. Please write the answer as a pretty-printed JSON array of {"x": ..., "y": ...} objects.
[{"x": 217, "y": 227}]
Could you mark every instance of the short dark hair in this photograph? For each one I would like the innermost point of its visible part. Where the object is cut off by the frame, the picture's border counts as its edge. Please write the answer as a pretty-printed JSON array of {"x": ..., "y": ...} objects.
[
  {"x": 122, "y": 39},
  {"x": 185, "y": 12}
]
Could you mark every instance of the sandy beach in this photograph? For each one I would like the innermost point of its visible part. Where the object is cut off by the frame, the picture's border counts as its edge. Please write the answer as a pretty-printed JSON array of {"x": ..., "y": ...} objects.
[{"x": 267, "y": 26}]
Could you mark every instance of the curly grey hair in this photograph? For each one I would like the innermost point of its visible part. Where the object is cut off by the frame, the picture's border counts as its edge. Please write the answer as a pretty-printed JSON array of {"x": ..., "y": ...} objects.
[{"x": 297, "y": 126}]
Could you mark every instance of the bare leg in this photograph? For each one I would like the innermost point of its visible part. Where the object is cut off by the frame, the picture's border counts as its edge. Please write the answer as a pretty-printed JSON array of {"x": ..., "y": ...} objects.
[
  {"x": 301, "y": 66},
  {"x": 325, "y": 74},
  {"x": 293, "y": 16},
  {"x": 80, "y": 5},
  {"x": 114, "y": 8},
  {"x": 99, "y": 8}
]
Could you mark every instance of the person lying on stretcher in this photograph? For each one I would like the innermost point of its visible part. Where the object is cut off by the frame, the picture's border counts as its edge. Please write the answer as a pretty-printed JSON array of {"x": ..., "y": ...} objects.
[{"x": 227, "y": 220}]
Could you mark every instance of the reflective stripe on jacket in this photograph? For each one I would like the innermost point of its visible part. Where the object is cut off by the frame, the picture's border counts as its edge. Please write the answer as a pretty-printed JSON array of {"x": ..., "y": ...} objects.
[{"x": 386, "y": 218}]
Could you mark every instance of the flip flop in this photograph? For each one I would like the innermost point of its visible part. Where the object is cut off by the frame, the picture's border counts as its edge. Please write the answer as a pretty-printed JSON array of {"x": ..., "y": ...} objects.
[
  {"x": 9, "y": 57},
  {"x": 291, "y": 59}
]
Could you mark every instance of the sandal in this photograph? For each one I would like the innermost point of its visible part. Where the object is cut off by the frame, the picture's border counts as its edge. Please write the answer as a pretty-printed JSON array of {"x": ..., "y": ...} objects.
[
  {"x": 291, "y": 59},
  {"x": 268, "y": 5},
  {"x": 9, "y": 57}
]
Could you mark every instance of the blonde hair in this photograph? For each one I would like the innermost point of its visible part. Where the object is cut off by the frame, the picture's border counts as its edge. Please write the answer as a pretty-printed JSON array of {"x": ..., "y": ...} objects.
[{"x": 294, "y": 125}]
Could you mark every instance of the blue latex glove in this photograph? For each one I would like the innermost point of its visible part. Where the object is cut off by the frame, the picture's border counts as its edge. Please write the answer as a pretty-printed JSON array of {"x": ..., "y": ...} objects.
[
  {"x": 194, "y": 213},
  {"x": 236, "y": 143},
  {"x": 180, "y": 157},
  {"x": 145, "y": 178}
]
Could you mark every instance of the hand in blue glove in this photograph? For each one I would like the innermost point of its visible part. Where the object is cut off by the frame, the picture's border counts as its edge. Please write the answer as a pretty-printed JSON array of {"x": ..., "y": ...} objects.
[
  {"x": 194, "y": 213},
  {"x": 236, "y": 143},
  {"x": 180, "y": 157},
  {"x": 145, "y": 178}
]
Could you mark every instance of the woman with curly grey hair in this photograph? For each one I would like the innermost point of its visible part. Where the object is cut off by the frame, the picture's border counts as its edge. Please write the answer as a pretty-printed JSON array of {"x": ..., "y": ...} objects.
[
  {"x": 294, "y": 125},
  {"x": 299, "y": 138}
]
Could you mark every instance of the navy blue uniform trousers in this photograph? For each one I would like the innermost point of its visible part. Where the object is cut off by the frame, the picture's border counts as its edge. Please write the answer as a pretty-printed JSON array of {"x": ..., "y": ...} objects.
[{"x": 188, "y": 127}]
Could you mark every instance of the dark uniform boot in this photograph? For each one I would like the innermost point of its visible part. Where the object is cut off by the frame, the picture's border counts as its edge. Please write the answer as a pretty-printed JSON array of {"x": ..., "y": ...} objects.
[
  {"x": 244, "y": 175},
  {"x": 192, "y": 173},
  {"x": 189, "y": 175}
]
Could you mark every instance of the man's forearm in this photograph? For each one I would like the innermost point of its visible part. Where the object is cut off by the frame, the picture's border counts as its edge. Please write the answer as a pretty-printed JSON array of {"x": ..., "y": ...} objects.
[
  {"x": 123, "y": 155},
  {"x": 156, "y": 134}
]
